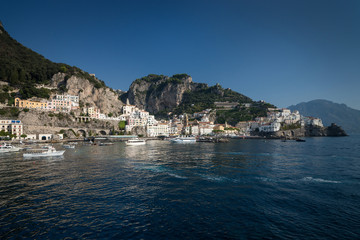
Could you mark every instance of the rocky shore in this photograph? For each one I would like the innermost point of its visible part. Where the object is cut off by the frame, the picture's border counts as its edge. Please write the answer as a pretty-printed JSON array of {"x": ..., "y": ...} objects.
[{"x": 309, "y": 131}]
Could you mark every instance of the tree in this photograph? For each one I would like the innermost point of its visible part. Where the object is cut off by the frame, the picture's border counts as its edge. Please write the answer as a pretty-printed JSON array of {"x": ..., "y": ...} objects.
[
  {"x": 122, "y": 125},
  {"x": 22, "y": 76},
  {"x": 23, "y": 136},
  {"x": 3, "y": 133},
  {"x": 63, "y": 69},
  {"x": 14, "y": 77}
]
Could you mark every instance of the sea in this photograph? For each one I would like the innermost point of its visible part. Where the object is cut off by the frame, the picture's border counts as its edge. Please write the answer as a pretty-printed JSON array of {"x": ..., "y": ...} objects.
[{"x": 244, "y": 189}]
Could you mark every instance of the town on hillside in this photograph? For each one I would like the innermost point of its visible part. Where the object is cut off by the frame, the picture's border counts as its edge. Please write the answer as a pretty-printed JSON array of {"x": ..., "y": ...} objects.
[{"x": 137, "y": 120}]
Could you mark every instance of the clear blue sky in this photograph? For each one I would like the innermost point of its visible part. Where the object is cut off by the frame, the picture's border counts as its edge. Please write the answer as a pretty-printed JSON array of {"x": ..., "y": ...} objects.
[{"x": 283, "y": 52}]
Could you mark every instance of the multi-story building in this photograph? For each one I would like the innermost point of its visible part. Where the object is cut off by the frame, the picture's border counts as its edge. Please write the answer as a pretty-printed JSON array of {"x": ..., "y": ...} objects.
[
  {"x": 74, "y": 100},
  {"x": 161, "y": 129},
  {"x": 93, "y": 112},
  {"x": 135, "y": 117},
  {"x": 205, "y": 128},
  {"x": 311, "y": 121},
  {"x": 127, "y": 109},
  {"x": 63, "y": 103},
  {"x": 270, "y": 127},
  {"x": 12, "y": 126},
  {"x": 30, "y": 104},
  {"x": 59, "y": 105}
]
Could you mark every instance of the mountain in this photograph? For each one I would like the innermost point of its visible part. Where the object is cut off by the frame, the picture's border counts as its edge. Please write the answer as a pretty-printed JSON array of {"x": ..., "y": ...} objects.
[
  {"x": 27, "y": 74},
  {"x": 178, "y": 94},
  {"x": 330, "y": 112}
]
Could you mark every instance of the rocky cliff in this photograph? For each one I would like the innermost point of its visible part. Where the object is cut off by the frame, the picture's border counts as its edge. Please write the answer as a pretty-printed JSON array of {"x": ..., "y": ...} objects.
[
  {"x": 103, "y": 98},
  {"x": 308, "y": 131},
  {"x": 160, "y": 94},
  {"x": 157, "y": 93}
]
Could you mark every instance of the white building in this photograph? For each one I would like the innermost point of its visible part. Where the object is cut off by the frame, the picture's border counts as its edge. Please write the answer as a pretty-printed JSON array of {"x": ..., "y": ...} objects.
[
  {"x": 311, "y": 121},
  {"x": 128, "y": 109},
  {"x": 272, "y": 127},
  {"x": 151, "y": 120},
  {"x": 135, "y": 117},
  {"x": 72, "y": 98},
  {"x": 43, "y": 136},
  {"x": 162, "y": 129},
  {"x": 31, "y": 137},
  {"x": 12, "y": 126},
  {"x": 205, "y": 128}
]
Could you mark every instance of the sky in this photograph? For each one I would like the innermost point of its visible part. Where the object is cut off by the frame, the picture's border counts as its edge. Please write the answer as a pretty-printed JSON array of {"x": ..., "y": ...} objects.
[{"x": 282, "y": 52}]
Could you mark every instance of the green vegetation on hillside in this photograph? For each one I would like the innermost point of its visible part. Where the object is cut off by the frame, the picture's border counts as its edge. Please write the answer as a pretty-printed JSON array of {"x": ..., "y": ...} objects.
[
  {"x": 198, "y": 100},
  {"x": 12, "y": 112},
  {"x": 290, "y": 126},
  {"x": 153, "y": 78},
  {"x": 23, "y": 68},
  {"x": 233, "y": 116}
]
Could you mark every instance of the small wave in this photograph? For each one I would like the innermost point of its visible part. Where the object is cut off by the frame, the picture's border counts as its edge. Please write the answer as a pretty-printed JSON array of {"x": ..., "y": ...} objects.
[
  {"x": 159, "y": 169},
  {"x": 237, "y": 153},
  {"x": 305, "y": 179},
  {"x": 177, "y": 176},
  {"x": 311, "y": 179},
  {"x": 151, "y": 168},
  {"x": 214, "y": 178},
  {"x": 252, "y": 154},
  {"x": 265, "y": 179}
]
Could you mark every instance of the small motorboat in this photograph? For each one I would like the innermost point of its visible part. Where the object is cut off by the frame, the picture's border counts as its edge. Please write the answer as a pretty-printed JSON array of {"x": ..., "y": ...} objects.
[
  {"x": 106, "y": 144},
  {"x": 6, "y": 147},
  {"x": 136, "y": 141},
  {"x": 300, "y": 140},
  {"x": 46, "y": 151},
  {"x": 68, "y": 146},
  {"x": 184, "y": 139}
]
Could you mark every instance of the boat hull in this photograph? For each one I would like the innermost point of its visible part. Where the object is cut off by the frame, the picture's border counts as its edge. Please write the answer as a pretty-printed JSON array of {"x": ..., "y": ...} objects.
[
  {"x": 53, "y": 154},
  {"x": 183, "y": 140},
  {"x": 135, "y": 143},
  {"x": 10, "y": 150}
]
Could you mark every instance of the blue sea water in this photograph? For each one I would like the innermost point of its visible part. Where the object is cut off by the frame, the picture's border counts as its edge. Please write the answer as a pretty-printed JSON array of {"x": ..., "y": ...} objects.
[{"x": 245, "y": 189}]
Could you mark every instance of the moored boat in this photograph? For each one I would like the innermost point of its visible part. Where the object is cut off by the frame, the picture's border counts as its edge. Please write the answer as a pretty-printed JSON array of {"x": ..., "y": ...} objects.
[
  {"x": 6, "y": 147},
  {"x": 106, "y": 144},
  {"x": 184, "y": 139},
  {"x": 47, "y": 151},
  {"x": 136, "y": 141},
  {"x": 68, "y": 146}
]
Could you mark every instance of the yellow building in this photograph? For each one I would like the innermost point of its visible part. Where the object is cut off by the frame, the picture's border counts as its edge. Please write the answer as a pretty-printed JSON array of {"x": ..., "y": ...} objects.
[{"x": 29, "y": 104}]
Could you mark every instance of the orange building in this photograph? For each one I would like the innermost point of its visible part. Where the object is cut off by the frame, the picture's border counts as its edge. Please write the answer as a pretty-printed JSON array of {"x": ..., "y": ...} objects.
[{"x": 29, "y": 104}]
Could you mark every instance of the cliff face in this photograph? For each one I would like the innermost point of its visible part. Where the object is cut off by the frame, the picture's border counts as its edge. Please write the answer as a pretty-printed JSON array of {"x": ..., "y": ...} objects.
[
  {"x": 103, "y": 98},
  {"x": 160, "y": 94},
  {"x": 308, "y": 131}
]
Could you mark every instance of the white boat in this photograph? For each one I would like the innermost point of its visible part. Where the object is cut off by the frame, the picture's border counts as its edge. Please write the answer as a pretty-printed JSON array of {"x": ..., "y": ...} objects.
[
  {"x": 68, "y": 146},
  {"x": 133, "y": 142},
  {"x": 184, "y": 139},
  {"x": 5, "y": 147},
  {"x": 106, "y": 144},
  {"x": 47, "y": 151}
]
